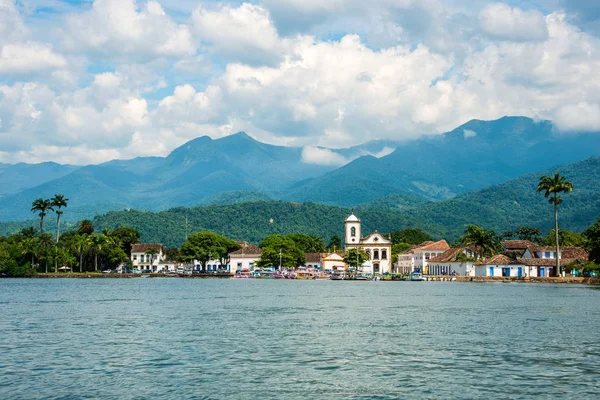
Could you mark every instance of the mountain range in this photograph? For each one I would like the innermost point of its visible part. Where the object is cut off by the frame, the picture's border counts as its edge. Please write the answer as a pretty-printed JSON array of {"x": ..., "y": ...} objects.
[{"x": 238, "y": 168}]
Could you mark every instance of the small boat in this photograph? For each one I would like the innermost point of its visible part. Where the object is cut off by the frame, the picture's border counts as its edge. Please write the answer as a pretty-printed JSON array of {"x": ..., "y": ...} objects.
[
  {"x": 278, "y": 275},
  {"x": 240, "y": 276},
  {"x": 416, "y": 276},
  {"x": 337, "y": 276}
]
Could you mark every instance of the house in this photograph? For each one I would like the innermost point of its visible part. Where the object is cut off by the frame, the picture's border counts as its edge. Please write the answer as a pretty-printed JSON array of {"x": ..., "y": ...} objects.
[
  {"x": 333, "y": 261},
  {"x": 458, "y": 261},
  {"x": 500, "y": 265},
  {"x": 313, "y": 260},
  {"x": 516, "y": 248},
  {"x": 377, "y": 246},
  {"x": 141, "y": 260},
  {"x": 417, "y": 259},
  {"x": 246, "y": 257}
]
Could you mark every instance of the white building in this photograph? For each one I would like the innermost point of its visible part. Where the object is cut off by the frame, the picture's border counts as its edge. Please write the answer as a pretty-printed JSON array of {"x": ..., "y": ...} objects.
[
  {"x": 455, "y": 261},
  {"x": 333, "y": 261},
  {"x": 501, "y": 265},
  {"x": 416, "y": 259},
  {"x": 245, "y": 258},
  {"x": 377, "y": 247},
  {"x": 141, "y": 260}
]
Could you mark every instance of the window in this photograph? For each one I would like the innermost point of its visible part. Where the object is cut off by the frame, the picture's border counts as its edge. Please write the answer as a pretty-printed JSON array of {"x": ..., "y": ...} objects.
[
  {"x": 547, "y": 255},
  {"x": 427, "y": 256},
  {"x": 376, "y": 254},
  {"x": 369, "y": 253},
  {"x": 353, "y": 231},
  {"x": 239, "y": 265},
  {"x": 384, "y": 254},
  {"x": 134, "y": 258}
]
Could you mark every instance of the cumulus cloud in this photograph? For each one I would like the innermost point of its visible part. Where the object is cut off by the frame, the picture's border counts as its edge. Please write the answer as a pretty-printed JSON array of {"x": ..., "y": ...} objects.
[
  {"x": 118, "y": 29},
  {"x": 320, "y": 156},
  {"x": 244, "y": 34},
  {"x": 28, "y": 57},
  {"x": 580, "y": 117},
  {"x": 512, "y": 23}
]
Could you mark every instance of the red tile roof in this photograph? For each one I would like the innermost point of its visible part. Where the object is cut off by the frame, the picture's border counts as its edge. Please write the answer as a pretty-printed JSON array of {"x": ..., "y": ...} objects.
[
  {"x": 312, "y": 257},
  {"x": 143, "y": 247},
  {"x": 441, "y": 245},
  {"x": 544, "y": 262},
  {"x": 248, "y": 249},
  {"x": 448, "y": 256},
  {"x": 498, "y": 259},
  {"x": 517, "y": 244}
]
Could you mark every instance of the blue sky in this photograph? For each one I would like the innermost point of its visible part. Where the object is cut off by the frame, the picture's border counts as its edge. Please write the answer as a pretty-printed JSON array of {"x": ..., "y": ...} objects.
[{"x": 91, "y": 80}]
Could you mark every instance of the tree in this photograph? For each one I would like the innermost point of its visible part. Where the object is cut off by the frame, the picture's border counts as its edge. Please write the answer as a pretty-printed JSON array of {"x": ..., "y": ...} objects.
[
  {"x": 85, "y": 227},
  {"x": 58, "y": 201},
  {"x": 308, "y": 243},
  {"x": 41, "y": 206},
  {"x": 529, "y": 233},
  {"x": 80, "y": 245},
  {"x": 397, "y": 249},
  {"x": 279, "y": 250},
  {"x": 152, "y": 252},
  {"x": 204, "y": 246},
  {"x": 485, "y": 241},
  {"x": 552, "y": 186},
  {"x": 410, "y": 236},
  {"x": 335, "y": 243},
  {"x": 592, "y": 241},
  {"x": 565, "y": 238},
  {"x": 355, "y": 257},
  {"x": 126, "y": 236}
]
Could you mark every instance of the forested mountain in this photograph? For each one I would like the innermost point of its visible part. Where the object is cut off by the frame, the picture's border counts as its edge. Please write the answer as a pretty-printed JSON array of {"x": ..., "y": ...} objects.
[
  {"x": 17, "y": 177},
  {"x": 192, "y": 174},
  {"x": 238, "y": 168},
  {"x": 473, "y": 156}
]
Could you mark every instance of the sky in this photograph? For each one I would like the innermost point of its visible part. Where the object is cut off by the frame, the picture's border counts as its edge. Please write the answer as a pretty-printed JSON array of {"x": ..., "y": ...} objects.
[{"x": 87, "y": 81}]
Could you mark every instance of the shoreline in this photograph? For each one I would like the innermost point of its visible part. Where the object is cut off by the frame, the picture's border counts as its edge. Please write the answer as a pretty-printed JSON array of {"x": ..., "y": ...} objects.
[{"x": 93, "y": 275}]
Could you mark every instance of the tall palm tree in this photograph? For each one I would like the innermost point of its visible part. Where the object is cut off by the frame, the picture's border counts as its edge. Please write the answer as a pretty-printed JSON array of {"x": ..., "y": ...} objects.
[
  {"x": 80, "y": 245},
  {"x": 59, "y": 201},
  {"x": 552, "y": 186},
  {"x": 85, "y": 227},
  {"x": 41, "y": 206},
  {"x": 483, "y": 240}
]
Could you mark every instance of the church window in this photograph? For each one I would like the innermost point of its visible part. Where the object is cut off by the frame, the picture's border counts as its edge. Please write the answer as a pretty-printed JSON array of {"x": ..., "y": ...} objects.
[
  {"x": 369, "y": 253},
  {"x": 376, "y": 254},
  {"x": 384, "y": 254},
  {"x": 353, "y": 231}
]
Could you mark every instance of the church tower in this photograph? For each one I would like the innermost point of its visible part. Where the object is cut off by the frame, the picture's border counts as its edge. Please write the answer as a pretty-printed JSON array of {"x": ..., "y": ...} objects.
[{"x": 352, "y": 230}]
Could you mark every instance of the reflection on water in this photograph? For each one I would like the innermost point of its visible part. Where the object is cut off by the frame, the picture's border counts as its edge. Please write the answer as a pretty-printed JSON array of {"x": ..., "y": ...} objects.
[{"x": 217, "y": 339}]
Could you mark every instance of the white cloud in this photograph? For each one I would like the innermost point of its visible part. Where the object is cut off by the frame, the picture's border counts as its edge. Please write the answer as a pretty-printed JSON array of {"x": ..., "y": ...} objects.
[
  {"x": 117, "y": 29},
  {"x": 244, "y": 34},
  {"x": 467, "y": 133},
  {"x": 28, "y": 57},
  {"x": 512, "y": 23},
  {"x": 580, "y": 117},
  {"x": 320, "y": 156},
  {"x": 384, "y": 152}
]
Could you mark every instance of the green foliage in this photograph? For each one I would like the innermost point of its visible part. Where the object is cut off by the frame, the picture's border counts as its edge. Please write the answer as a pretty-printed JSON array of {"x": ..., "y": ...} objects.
[
  {"x": 485, "y": 241},
  {"x": 335, "y": 243},
  {"x": 280, "y": 250},
  {"x": 399, "y": 248},
  {"x": 529, "y": 233},
  {"x": 565, "y": 238},
  {"x": 410, "y": 236},
  {"x": 592, "y": 241},
  {"x": 355, "y": 257},
  {"x": 127, "y": 236},
  {"x": 308, "y": 243},
  {"x": 205, "y": 246},
  {"x": 85, "y": 227}
]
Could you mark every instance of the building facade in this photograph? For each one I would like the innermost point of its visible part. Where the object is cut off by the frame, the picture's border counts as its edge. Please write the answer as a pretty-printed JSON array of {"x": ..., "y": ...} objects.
[
  {"x": 377, "y": 247},
  {"x": 142, "y": 260}
]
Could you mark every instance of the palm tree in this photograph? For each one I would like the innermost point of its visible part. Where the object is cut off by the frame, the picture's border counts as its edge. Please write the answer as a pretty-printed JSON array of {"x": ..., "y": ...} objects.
[
  {"x": 552, "y": 186},
  {"x": 80, "y": 245},
  {"x": 58, "y": 201},
  {"x": 42, "y": 206},
  {"x": 483, "y": 240},
  {"x": 152, "y": 252},
  {"x": 99, "y": 243},
  {"x": 85, "y": 227}
]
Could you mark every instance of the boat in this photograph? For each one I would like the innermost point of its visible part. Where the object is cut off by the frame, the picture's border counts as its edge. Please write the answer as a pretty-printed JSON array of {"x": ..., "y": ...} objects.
[
  {"x": 336, "y": 276},
  {"x": 278, "y": 275},
  {"x": 416, "y": 276}
]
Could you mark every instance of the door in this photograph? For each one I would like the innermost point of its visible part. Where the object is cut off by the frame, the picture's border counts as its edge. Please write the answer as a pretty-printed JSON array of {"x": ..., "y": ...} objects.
[
  {"x": 542, "y": 272},
  {"x": 491, "y": 271},
  {"x": 520, "y": 272}
]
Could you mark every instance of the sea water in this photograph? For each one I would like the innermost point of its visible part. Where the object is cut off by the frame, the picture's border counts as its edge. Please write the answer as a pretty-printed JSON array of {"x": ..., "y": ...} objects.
[{"x": 275, "y": 339}]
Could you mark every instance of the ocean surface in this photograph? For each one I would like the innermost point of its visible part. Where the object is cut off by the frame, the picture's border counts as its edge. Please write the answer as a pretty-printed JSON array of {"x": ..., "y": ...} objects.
[{"x": 271, "y": 339}]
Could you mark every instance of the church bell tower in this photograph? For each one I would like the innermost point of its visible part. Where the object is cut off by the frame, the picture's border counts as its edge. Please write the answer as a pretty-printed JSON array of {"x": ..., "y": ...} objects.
[{"x": 352, "y": 231}]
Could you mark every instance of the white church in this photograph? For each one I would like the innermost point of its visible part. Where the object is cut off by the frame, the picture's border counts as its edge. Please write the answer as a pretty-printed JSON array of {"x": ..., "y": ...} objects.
[{"x": 377, "y": 246}]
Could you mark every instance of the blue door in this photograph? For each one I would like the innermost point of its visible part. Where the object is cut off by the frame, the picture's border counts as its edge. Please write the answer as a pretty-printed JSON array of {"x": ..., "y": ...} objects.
[
  {"x": 520, "y": 272},
  {"x": 542, "y": 272},
  {"x": 491, "y": 271}
]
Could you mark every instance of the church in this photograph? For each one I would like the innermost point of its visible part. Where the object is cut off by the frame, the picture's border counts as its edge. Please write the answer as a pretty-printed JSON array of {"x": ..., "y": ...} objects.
[{"x": 377, "y": 246}]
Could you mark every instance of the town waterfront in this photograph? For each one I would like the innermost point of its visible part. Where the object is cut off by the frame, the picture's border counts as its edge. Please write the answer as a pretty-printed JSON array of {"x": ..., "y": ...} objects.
[{"x": 217, "y": 339}]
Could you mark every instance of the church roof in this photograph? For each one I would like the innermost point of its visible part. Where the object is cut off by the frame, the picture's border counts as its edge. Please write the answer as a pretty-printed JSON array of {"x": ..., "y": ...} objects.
[{"x": 352, "y": 218}]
